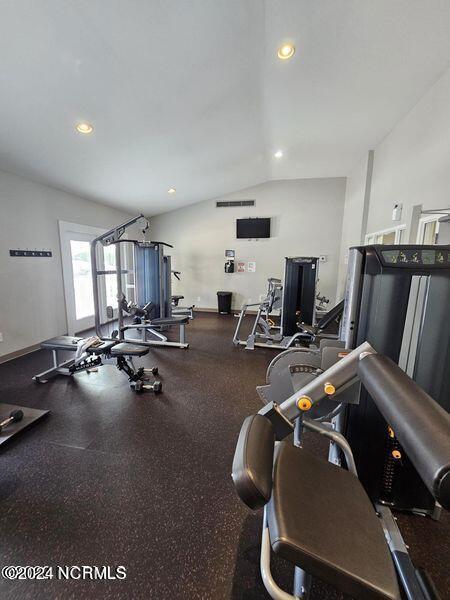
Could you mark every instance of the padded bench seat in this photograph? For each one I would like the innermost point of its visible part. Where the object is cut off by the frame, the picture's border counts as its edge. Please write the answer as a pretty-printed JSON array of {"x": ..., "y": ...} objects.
[
  {"x": 321, "y": 519},
  {"x": 170, "y": 321},
  {"x": 70, "y": 344},
  {"x": 125, "y": 349},
  {"x": 62, "y": 342}
]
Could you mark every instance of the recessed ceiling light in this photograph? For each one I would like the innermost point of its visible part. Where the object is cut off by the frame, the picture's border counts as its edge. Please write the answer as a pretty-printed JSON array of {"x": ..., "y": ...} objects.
[
  {"x": 286, "y": 51},
  {"x": 84, "y": 127},
  {"x": 171, "y": 191},
  {"x": 278, "y": 154}
]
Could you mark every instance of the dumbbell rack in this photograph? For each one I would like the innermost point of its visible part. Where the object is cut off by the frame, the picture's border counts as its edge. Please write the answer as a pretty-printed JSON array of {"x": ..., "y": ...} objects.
[{"x": 30, "y": 416}]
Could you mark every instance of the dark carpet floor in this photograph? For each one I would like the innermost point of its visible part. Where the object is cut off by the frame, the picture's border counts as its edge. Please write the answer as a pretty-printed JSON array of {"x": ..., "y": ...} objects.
[{"x": 113, "y": 478}]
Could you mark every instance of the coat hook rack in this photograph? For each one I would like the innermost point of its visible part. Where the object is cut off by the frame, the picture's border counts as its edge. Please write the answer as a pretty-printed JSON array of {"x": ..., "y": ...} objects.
[{"x": 32, "y": 253}]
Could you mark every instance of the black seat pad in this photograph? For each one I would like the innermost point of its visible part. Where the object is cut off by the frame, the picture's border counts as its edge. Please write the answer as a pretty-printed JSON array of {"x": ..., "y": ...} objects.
[
  {"x": 170, "y": 321},
  {"x": 331, "y": 315},
  {"x": 125, "y": 349},
  {"x": 62, "y": 342},
  {"x": 321, "y": 519}
]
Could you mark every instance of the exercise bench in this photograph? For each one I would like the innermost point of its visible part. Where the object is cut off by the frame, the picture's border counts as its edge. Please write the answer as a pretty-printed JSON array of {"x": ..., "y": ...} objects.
[{"x": 92, "y": 357}]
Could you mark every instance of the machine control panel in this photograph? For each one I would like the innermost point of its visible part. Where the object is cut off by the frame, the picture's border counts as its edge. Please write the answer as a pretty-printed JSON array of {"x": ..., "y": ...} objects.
[{"x": 414, "y": 256}]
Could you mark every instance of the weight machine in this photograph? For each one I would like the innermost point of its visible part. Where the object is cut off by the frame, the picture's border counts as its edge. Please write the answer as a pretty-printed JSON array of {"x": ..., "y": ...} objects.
[
  {"x": 296, "y": 299},
  {"x": 397, "y": 298},
  {"x": 317, "y": 515},
  {"x": 388, "y": 431},
  {"x": 151, "y": 272}
]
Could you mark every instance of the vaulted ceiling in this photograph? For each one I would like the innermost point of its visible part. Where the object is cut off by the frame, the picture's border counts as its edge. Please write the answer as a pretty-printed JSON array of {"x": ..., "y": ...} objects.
[{"x": 190, "y": 94}]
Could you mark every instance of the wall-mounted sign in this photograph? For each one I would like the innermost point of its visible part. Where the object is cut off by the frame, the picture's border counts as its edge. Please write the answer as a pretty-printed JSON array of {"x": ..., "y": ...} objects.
[
  {"x": 241, "y": 267},
  {"x": 251, "y": 265}
]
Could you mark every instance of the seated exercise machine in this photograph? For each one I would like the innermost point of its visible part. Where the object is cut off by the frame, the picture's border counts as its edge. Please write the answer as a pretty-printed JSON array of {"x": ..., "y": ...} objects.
[
  {"x": 397, "y": 299},
  {"x": 317, "y": 515},
  {"x": 264, "y": 330},
  {"x": 147, "y": 279},
  {"x": 296, "y": 300},
  {"x": 389, "y": 430},
  {"x": 90, "y": 358},
  {"x": 178, "y": 310}
]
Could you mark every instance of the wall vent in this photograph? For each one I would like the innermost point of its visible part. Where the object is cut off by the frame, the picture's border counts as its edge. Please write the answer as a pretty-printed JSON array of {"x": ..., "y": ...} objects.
[{"x": 235, "y": 203}]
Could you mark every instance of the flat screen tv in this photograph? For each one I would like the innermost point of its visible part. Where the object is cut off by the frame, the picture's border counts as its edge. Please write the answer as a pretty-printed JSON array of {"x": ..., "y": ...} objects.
[{"x": 252, "y": 228}]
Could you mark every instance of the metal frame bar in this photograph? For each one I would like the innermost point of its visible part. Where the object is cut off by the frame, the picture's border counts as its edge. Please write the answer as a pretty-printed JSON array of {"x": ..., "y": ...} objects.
[
  {"x": 113, "y": 235},
  {"x": 62, "y": 368},
  {"x": 284, "y": 345},
  {"x": 162, "y": 341},
  {"x": 335, "y": 438},
  {"x": 272, "y": 588},
  {"x": 399, "y": 551}
]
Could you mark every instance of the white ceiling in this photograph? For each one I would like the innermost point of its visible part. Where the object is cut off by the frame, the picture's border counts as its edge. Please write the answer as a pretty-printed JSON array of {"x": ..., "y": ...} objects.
[{"x": 190, "y": 93}]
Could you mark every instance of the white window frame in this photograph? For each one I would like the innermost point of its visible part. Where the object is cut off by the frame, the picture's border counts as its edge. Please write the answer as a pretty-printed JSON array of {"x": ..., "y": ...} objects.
[
  {"x": 423, "y": 221},
  {"x": 398, "y": 229}
]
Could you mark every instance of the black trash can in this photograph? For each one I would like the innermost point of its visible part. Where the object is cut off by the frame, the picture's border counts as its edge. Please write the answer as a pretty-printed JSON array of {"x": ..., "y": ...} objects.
[{"x": 224, "y": 302}]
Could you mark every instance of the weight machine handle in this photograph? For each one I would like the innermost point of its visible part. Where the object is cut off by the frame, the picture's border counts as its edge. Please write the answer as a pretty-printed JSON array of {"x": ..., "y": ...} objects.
[
  {"x": 162, "y": 244},
  {"x": 420, "y": 424}
]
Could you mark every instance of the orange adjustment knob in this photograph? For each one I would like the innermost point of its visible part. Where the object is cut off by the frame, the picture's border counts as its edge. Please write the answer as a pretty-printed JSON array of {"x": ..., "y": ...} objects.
[
  {"x": 396, "y": 454},
  {"x": 329, "y": 389},
  {"x": 304, "y": 403},
  {"x": 391, "y": 432}
]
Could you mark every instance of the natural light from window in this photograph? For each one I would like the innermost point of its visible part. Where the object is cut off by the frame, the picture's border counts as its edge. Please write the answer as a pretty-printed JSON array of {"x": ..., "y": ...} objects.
[{"x": 82, "y": 278}]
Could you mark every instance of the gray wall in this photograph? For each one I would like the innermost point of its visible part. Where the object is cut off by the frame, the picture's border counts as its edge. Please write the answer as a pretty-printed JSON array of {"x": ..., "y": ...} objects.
[
  {"x": 32, "y": 306},
  {"x": 306, "y": 220},
  {"x": 411, "y": 166}
]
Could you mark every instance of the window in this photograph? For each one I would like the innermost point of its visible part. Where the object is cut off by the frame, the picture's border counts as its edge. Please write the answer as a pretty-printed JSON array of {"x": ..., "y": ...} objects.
[
  {"x": 82, "y": 278},
  {"x": 428, "y": 229},
  {"x": 109, "y": 254},
  {"x": 386, "y": 236},
  {"x": 75, "y": 242}
]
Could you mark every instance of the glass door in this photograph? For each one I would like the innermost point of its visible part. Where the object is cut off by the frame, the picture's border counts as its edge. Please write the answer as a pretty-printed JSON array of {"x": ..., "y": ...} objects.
[
  {"x": 108, "y": 263},
  {"x": 81, "y": 284},
  {"x": 75, "y": 242}
]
